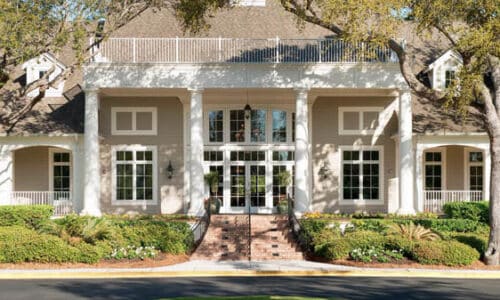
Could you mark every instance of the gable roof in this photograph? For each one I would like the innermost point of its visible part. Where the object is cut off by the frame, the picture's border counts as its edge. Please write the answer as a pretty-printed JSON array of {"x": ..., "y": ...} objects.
[
  {"x": 48, "y": 56},
  {"x": 449, "y": 54}
]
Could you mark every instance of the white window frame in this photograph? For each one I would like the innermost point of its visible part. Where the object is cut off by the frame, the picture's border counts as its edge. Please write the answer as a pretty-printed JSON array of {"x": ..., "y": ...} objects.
[
  {"x": 134, "y": 148},
  {"x": 134, "y": 111},
  {"x": 469, "y": 164},
  {"x": 269, "y": 122},
  {"x": 442, "y": 163},
  {"x": 360, "y": 110},
  {"x": 52, "y": 163},
  {"x": 360, "y": 202}
]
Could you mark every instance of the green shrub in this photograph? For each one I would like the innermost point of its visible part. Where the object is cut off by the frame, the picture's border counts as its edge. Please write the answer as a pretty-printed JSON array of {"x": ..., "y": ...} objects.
[
  {"x": 30, "y": 216},
  {"x": 449, "y": 253},
  {"x": 365, "y": 239},
  {"x": 399, "y": 243},
  {"x": 476, "y": 211},
  {"x": 456, "y": 225},
  {"x": 171, "y": 237},
  {"x": 376, "y": 225},
  {"x": 19, "y": 244},
  {"x": 337, "y": 248},
  {"x": 89, "y": 254},
  {"x": 310, "y": 228},
  {"x": 478, "y": 242},
  {"x": 90, "y": 229}
]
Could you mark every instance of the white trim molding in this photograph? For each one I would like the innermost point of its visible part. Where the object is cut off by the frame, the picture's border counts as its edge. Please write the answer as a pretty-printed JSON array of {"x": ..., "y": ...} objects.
[
  {"x": 360, "y": 111},
  {"x": 114, "y": 163},
  {"x": 362, "y": 202},
  {"x": 134, "y": 111}
]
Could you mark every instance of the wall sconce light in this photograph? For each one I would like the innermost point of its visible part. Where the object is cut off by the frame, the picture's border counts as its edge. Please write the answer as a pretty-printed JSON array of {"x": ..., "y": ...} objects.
[
  {"x": 248, "y": 111},
  {"x": 324, "y": 172},
  {"x": 170, "y": 170}
]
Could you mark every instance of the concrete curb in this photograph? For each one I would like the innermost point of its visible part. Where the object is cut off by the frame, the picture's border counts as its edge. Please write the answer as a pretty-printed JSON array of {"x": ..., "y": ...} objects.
[{"x": 93, "y": 274}]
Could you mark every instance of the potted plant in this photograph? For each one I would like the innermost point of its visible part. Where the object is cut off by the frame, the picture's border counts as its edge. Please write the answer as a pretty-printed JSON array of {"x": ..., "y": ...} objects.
[
  {"x": 212, "y": 180},
  {"x": 284, "y": 180}
]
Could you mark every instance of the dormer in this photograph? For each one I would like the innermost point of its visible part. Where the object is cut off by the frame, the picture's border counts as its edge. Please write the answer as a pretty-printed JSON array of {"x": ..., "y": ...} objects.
[
  {"x": 443, "y": 70},
  {"x": 36, "y": 67}
]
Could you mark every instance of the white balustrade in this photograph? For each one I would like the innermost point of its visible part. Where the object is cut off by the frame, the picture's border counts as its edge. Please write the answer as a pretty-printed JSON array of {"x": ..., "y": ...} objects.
[
  {"x": 61, "y": 201},
  {"x": 239, "y": 50},
  {"x": 434, "y": 200}
]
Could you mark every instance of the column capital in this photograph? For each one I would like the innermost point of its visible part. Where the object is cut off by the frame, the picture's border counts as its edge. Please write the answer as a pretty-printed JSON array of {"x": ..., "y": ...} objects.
[
  {"x": 301, "y": 89},
  {"x": 196, "y": 90},
  {"x": 88, "y": 90}
]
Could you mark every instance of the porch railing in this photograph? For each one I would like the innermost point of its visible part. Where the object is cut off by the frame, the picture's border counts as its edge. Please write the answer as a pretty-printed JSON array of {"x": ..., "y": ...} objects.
[
  {"x": 434, "y": 200},
  {"x": 238, "y": 50},
  {"x": 61, "y": 201}
]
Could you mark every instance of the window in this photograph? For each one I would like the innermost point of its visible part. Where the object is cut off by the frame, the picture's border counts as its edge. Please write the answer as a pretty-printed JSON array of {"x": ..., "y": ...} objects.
[
  {"x": 41, "y": 74},
  {"x": 358, "y": 120},
  {"x": 216, "y": 126},
  {"x": 237, "y": 125},
  {"x": 219, "y": 192},
  {"x": 283, "y": 156},
  {"x": 433, "y": 171},
  {"x": 60, "y": 173},
  {"x": 213, "y": 156},
  {"x": 279, "y": 190},
  {"x": 133, "y": 121},
  {"x": 279, "y": 126},
  {"x": 449, "y": 77},
  {"x": 134, "y": 178},
  {"x": 248, "y": 156},
  {"x": 475, "y": 170},
  {"x": 258, "y": 126},
  {"x": 361, "y": 174}
]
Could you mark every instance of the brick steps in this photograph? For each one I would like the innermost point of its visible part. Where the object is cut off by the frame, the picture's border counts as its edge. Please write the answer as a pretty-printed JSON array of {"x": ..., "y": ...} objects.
[{"x": 227, "y": 239}]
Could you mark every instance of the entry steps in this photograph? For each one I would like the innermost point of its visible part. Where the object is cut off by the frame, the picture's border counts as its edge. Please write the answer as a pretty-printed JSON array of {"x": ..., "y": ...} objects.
[{"x": 227, "y": 238}]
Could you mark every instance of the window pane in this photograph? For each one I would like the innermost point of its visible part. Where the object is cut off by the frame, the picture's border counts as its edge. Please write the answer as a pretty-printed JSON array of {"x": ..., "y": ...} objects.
[
  {"x": 476, "y": 156},
  {"x": 293, "y": 127},
  {"x": 215, "y": 126},
  {"x": 370, "y": 120},
  {"x": 144, "y": 120},
  {"x": 258, "y": 126},
  {"x": 279, "y": 126},
  {"x": 124, "y": 120},
  {"x": 351, "y": 120},
  {"x": 237, "y": 125}
]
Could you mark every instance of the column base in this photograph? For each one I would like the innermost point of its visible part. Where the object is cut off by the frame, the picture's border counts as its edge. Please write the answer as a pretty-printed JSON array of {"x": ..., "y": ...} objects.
[
  {"x": 91, "y": 212},
  {"x": 193, "y": 212},
  {"x": 406, "y": 211}
]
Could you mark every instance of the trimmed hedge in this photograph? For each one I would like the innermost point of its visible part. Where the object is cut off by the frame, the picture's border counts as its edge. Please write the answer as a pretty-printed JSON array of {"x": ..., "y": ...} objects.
[
  {"x": 476, "y": 211},
  {"x": 30, "y": 216},
  {"x": 478, "y": 242},
  {"x": 455, "y": 225},
  {"x": 19, "y": 244},
  {"x": 449, "y": 253}
]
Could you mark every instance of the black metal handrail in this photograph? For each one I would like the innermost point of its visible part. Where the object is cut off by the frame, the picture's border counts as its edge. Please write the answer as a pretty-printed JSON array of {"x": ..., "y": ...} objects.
[{"x": 200, "y": 228}]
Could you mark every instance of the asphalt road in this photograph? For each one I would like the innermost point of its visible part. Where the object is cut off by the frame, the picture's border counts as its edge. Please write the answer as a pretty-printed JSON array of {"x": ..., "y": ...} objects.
[{"x": 335, "y": 287}]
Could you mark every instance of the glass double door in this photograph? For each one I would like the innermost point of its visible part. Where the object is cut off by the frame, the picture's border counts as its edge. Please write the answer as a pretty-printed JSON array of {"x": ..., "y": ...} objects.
[{"x": 248, "y": 187}]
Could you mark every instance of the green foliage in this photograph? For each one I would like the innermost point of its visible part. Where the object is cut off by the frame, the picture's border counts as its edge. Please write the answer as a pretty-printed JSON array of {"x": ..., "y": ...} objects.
[
  {"x": 375, "y": 254},
  {"x": 413, "y": 232},
  {"x": 365, "y": 239},
  {"x": 476, "y": 211},
  {"x": 371, "y": 224},
  {"x": 19, "y": 244},
  {"x": 456, "y": 225},
  {"x": 30, "y": 216},
  {"x": 171, "y": 237},
  {"x": 449, "y": 253},
  {"x": 212, "y": 180},
  {"x": 401, "y": 244},
  {"x": 89, "y": 229},
  {"x": 310, "y": 228},
  {"x": 133, "y": 252},
  {"x": 335, "y": 249},
  {"x": 476, "y": 241}
]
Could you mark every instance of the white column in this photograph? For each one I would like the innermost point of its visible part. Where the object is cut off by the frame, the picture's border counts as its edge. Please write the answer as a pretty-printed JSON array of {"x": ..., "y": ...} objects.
[
  {"x": 6, "y": 174},
  {"x": 185, "y": 100},
  {"x": 302, "y": 155},
  {"x": 406, "y": 156},
  {"x": 197, "y": 183},
  {"x": 91, "y": 193},
  {"x": 77, "y": 187},
  {"x": 419, "y": 177}
]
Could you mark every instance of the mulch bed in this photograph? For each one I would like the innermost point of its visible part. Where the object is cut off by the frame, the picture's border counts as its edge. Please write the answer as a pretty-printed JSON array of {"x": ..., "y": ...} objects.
[{"x": 160, "y": 261}]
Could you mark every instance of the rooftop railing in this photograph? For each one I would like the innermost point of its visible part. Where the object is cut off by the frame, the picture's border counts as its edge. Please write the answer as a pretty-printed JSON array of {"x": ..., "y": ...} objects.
[{"x": 235, "y": 50}]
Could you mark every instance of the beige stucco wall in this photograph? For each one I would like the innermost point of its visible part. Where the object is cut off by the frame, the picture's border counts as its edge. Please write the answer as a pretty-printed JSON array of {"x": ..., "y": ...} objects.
[
  {"x": 326, "y": 142},
  {"x": 31, "y": 169},
  {"x": 169, "y": 143},
  {"x": 455, "y": 168}
]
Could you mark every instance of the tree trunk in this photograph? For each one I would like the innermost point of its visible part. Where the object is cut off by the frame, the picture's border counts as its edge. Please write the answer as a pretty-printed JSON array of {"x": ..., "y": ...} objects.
[{"x": 492, "y": 254}]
